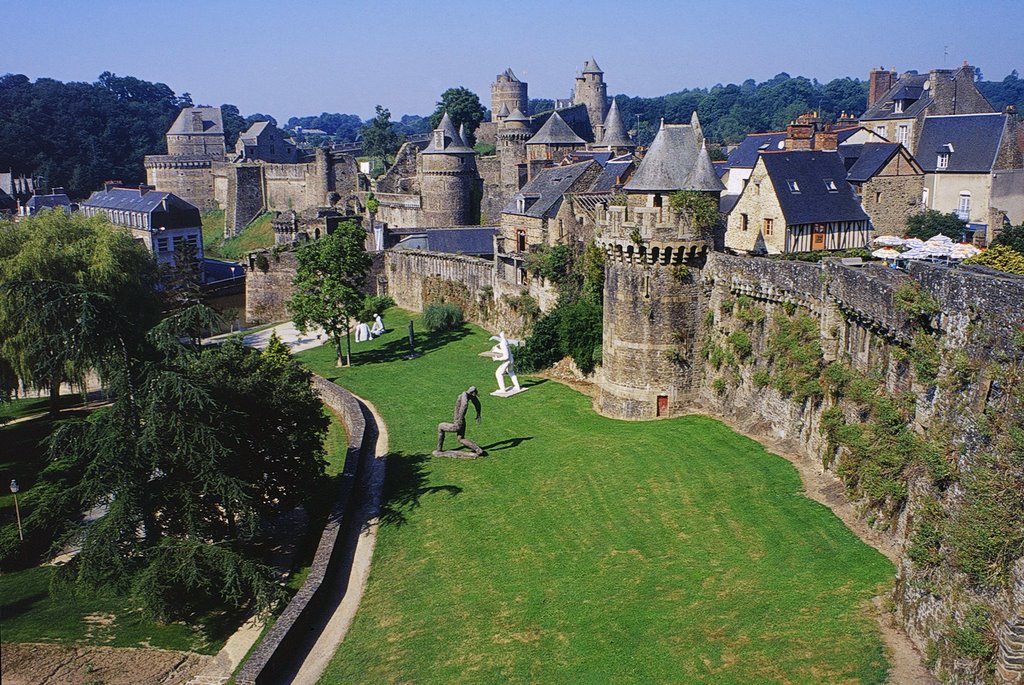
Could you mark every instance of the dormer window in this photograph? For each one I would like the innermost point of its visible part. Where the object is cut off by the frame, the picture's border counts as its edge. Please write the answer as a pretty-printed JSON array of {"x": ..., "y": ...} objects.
[
  {"x": 943, "y": 161},
  {"x": 439, "y": 140},
  {"x": 831, "y": 186},
  {"x": 897, "y": 107},
  {"x": 521, "y": 204},
  {"x": 794, "y": 187}
]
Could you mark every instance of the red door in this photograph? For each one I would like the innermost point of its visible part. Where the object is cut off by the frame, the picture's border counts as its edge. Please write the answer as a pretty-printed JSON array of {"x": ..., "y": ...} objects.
[{"x": 662, "y": 405}]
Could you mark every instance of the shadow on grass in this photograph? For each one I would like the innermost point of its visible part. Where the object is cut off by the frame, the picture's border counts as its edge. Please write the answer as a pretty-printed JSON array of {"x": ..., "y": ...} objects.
[
  {"x": 398, "y": 347},
  {"x": 507, "y": 444},
  {"x": 405, "y": 485},
  {"x": 21, "y": 605}
]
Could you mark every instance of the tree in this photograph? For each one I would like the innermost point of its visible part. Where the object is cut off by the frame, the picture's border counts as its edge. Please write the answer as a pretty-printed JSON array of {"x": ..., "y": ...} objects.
[
  {"x": 931, "y": 223},
  {"x": 1011, "y": 236},
  {"x": 234, "y": 124},
  {"x": 379, "y": 138},
  {"x": 200, "y": 447},
  {"x": 463, "y": 107},
  {"x": 329, "y": 280},
  {"x": 73, "y": 288}
]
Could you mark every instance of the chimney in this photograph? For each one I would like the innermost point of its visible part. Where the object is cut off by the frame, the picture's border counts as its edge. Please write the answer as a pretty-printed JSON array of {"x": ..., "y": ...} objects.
[
  {"x": 143, "y": 189},
  {"x": 110, "y": 185},
  {"x": 57, "y": 191},
  {"x": 197, "y": 120},
  {"x": 880, "y": 80},
  {"x": 799, "y": 136},
  {"x": 826, "y": 139}
]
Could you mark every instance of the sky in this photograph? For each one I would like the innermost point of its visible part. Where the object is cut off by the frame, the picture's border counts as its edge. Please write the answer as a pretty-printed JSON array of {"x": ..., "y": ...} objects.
[{"x": 288, "y": 59}]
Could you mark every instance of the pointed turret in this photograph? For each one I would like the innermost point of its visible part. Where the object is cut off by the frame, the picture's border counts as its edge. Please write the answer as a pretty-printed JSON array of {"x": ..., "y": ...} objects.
[
  {"x": 445, "y": 139},
  {"x": 503, "y": 112},
  {"x": 590, "y": 67},
  {"x": 517, "y": 115},
  {"x": 615, "y": 135},
  {"x": 703, "y": 176},
  {"x": 464, "y": 135},
  {"x": 555, "y": 132},
  {"x": 675, "y": 160},
  {"x": 698, "y": 131}
]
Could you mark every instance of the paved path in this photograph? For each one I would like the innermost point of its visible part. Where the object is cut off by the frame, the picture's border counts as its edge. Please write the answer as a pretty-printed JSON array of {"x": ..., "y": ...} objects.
[{"x": 287, "y": 332}]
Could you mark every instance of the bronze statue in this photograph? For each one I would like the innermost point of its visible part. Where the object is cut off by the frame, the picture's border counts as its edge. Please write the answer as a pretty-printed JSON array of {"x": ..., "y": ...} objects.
[{"x": 458, "y": 426}]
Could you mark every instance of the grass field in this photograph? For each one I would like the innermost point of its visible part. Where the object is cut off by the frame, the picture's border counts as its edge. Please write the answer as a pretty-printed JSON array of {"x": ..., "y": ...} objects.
[
  {"x": 258, "y": 234},
  {"x": 587, "y": 550}
]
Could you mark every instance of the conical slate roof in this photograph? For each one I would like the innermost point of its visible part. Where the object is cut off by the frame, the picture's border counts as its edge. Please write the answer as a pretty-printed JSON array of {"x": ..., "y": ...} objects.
[
  {"x": 590, "y": 67},
  {"x": 503, "y": 112},
  {"x": 516, "y": 115},
  {"x": 615, "y": 134},
  {"x": 698, "y": 130},
  {"x": 450, "y": 142},
  {"x": 511, "y": 76},
  {"x": 555, "y": 132},
  {"x": 703, "y": 176},
  {"x": 673, "y": 163}
]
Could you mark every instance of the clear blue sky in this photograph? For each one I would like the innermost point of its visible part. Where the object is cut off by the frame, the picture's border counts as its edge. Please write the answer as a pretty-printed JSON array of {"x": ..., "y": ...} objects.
[{"x": 290, "y": 59}]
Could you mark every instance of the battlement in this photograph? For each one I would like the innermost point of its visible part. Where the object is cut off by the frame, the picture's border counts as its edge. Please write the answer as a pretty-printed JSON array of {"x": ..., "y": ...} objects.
[
  {"x": 179, "y": 161},
  {"x": 651, "y": 225}
]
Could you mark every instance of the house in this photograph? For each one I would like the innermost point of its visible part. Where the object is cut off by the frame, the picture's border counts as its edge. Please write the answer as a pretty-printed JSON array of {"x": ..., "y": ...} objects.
[
  {"x": 898, "y": 105},
  {"x": 162, "y": 221},
  {"x": 888, "y": 180},
  {"x": 56, "y": 199},
  {"x": 265, "y": 141},
  {"x": 797, "y": 201},
  {"x": 973, "y": 166}
]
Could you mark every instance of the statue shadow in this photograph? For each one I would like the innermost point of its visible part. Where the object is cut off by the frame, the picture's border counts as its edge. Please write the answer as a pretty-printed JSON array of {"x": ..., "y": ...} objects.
[
  {"x": 398, "y": 346},
  {"x": 506, "y": 444},
  {"x": 406, "y": 485},
  {"x": 529, "y": 383}
]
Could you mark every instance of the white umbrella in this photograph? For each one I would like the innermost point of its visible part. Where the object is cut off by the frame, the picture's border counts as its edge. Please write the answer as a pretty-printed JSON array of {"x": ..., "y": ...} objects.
[
  {"x": 888, "y": 240},
  {"x": 940, "y": 239},
  {"x": 913, "y": 242},
  {"x": 916, "y": 253},
  {"x": 963, "y": 251},
  {"x": 886, "y": 253}
]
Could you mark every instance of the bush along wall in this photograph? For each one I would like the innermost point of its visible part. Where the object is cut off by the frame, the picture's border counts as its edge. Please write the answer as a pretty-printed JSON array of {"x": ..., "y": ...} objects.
[{"x": 910, "y": 390}]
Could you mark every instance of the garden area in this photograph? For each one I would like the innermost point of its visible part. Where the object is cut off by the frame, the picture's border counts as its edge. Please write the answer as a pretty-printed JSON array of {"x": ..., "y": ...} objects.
[{"x": 584, "y": 549}]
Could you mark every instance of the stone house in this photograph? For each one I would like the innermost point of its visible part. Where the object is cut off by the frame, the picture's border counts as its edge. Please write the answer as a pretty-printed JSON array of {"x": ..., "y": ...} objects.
[
  {"x": 973, "y": 166},
  {"x": 265, "y": 141},
  {"x": 797, "y": 201},
  {"x": 162, "y": 221},
  {"x": 888, "y": 181},
  {"x": 898, "y": 105}
]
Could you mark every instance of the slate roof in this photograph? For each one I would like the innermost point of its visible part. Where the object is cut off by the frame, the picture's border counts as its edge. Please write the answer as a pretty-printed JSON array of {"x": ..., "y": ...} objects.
[
  {"x": 812, "y": 202},
  {"x": 872, "y": 159},
  {"x": 212, "y": 122},
  {"x": 612, "y": 171},
  {"x": 453, "y": 143},
  {"x": 547, "y": 190},
  {"x": 511, "y": 76},
  {"x": 517, "y": 115},
  {"x": 152, "y": 202},
  {"x": 467, "y": 241},
  {"x": 744, "y": 156},
  {"x": 555, "y": 132},
  {"x": 38, "y": 202},
  {"x": 590, "y": 67},
  {"x": 600, "y": 156},
  {"x": 615, "y": 134},
  {"x": 975, "y": 139},
  {"x": 903, "y": 89},
  {"x": 675, "y": 162},
  {"x": 254, "y": 131},
  {"x": 503, "y": 112}
]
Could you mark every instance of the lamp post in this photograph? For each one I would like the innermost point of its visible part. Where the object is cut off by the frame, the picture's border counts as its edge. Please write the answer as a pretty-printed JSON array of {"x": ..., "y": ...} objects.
[{"x": 17, "y": 511}]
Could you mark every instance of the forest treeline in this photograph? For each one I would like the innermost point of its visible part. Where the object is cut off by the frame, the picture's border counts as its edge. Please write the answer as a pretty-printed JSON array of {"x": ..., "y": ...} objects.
[{"x": 78, "y": 135}]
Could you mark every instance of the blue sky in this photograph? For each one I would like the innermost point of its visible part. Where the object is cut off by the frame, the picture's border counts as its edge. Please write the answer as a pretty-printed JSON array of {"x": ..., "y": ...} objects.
[{"x": 343, "y": 56}]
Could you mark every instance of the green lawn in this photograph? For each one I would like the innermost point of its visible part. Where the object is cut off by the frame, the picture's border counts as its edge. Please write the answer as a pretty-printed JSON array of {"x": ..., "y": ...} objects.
[
  {"x": 588, "y": 550},
  {"x": 259, "y": 234}
]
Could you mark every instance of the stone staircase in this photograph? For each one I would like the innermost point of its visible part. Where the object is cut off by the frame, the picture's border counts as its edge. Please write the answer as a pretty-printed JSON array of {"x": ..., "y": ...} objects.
[{"x": 1010, "y": 660}]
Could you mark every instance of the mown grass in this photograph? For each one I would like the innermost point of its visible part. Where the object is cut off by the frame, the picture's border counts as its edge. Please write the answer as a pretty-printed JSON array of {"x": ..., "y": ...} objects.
[
  {"x": 587, "y": 550},
  {"x": 259, "y": 234}
]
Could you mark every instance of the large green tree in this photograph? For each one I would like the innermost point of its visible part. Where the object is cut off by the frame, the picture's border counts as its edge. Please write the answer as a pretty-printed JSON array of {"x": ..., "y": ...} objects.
[
  {"x": 329, "y": 284},
  {"x": 1012, "y": 237},
  {"x": 463, "y": 107},
  {"x": 200, "y": 449},
  {"x": 931, "y": 223},
  {"x": 380, "y": 140},
  {"x": 73, "y": 288}
]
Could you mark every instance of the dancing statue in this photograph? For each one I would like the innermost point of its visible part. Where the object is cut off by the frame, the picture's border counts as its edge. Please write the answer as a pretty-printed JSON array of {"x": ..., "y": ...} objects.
[
  {"x": 503, "y": 353},
  {"x": 378, "y": 326},
  {"x": 458, "y": 426}
]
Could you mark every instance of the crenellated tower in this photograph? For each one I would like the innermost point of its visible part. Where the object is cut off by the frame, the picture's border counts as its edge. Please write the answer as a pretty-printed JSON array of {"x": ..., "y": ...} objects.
[
  {"x": 652, "y": 295},
  {"x": 513, "y": 133},
  {"x": 450, "y": 185},
  {"x": 509, "y": 92},
  {"x": 592, "y": 91}
]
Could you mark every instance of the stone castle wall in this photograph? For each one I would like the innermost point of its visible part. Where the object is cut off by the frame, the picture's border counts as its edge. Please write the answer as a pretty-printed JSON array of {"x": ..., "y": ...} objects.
[
  {"x": 493, "y": 200},
  {"x": 245, "y": 188},
  {"x": 191, "y": 179}
]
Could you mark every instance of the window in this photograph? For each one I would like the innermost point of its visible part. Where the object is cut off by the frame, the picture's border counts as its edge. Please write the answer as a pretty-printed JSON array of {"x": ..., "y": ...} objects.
[
  {"x": 794, "y": 187},
  {"x": 878, "y": 197},
  {"x": 163, "y": 244},
  {"x": 897, "y": 107},
  {"x": 744, "y": 222},
  {"x": 769, "y": 225},
  {"x": 521, "y": 241},
  {"x": 831, "y": 186},
  {"x": 757, "y": 189},
  {"x": 963, "y": 207},
  {"x": 943, "y": 161},
  {"x": 902, "y": 134},
  {"x": 924, "y": 197},
  {"x": 880, "y": 130}
]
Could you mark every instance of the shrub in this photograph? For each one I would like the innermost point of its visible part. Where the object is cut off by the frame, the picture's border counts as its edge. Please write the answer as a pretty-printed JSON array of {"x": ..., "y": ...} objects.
[
  {"x": 931, "y": 223},
  {"x": 718, "y": 385},
  {"x": 970, "y": 638},
  {"x": 924, "y": 355},
  {"x": 579, "y": 329},
  {"x": 762, "y": 378},
  {"x": 544, "y": 346},
  {"x": 926, "y": 538},
  {"x": 375, "y": 304},
  {"x": 442, "y": 317},
  {"x": 1001, "y": 258},
  {"x": 914, "y": 301},
  {"x": 740, "y": 342}
]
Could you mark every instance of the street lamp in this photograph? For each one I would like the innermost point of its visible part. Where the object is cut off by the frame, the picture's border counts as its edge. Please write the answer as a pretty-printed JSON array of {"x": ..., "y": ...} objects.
[{"x": 17, "y": 511}]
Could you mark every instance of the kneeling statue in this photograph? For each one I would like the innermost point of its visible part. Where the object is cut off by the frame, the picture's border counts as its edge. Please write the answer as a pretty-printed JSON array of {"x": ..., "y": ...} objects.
[{"x": 458, "y": 426}]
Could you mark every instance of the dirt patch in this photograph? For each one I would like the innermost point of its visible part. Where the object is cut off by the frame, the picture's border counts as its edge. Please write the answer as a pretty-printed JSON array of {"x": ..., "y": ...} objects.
[
  {"x": 566, "y": 373},
  {"x": 42, "y": 664}
]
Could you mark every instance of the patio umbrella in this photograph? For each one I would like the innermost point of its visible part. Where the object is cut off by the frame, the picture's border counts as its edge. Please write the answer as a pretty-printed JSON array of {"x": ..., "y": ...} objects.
[
  {"x": 963, "y": 251},
  {"x": 885, "y": 253},
  {"x": 940, "y": 239},
  {"x": 916, "y": 253},
  {"x": 888, "y": 240},
  {"x": 913, "y": 242}
]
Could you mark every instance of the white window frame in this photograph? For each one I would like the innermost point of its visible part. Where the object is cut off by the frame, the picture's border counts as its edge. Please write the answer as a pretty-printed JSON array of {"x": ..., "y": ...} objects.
[
  {"x": 902, "y": 134},
  {"x": 963, "y": 205},
  {"x": 942, "y": 162}
]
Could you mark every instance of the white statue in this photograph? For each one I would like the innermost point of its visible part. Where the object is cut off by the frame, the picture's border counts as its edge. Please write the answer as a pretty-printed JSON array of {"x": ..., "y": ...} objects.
[
  {"x": 503, "y": 353},
  {"x": 362, "y": 332},
  {"x": 378, "y": 326}
]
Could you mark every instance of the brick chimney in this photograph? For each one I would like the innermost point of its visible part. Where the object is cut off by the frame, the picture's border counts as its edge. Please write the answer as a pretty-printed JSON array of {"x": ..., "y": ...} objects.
[
  {"x": 799, "y": 136},
  {"x": 197, "y": 120},
  {"x": 880, "y": 80},
  {"x": 110, "y": 185},
  {"x": 143, "y": 189},
  {"x": 826, "y": 139}
]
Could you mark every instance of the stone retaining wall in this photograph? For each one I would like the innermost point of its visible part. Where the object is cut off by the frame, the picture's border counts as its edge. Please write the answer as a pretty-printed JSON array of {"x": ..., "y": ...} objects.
[{"x": 277, "y": 650}]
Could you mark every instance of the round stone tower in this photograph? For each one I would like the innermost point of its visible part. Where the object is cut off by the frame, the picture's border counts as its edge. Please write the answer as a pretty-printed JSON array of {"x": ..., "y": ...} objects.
[
  {"x": 509, "y": 91},
  {"x": 592, "y": 91},
  {"x": 450, "y": 186},
  {"x": 513, "y": 133}
]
